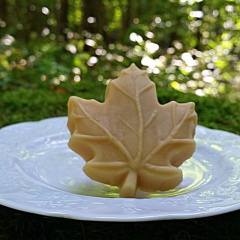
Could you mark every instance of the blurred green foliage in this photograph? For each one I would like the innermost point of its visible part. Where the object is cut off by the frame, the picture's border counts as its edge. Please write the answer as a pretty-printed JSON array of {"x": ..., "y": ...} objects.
[
  {"x": 189, "y": 45},
  {"x": 26, "y": 104}
]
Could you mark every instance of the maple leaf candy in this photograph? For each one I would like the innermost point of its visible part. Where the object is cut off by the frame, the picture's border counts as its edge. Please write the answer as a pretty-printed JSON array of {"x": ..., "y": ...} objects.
[{"x": 130, "y": 140}]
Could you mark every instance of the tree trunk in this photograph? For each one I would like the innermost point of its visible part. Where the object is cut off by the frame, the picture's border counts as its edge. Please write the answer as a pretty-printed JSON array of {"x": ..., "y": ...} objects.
[
  {"x": 94, "y": 19},
  {"x": 127, "y": 16},
  {"x": 198, "y": 33},
  {"x": 3, "y": 10},
  {"x": 63, "y": 17}
]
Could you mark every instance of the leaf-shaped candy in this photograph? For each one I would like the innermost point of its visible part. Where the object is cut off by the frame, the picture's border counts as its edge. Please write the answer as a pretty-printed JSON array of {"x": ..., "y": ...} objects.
[{"x": 131, "y": 141}]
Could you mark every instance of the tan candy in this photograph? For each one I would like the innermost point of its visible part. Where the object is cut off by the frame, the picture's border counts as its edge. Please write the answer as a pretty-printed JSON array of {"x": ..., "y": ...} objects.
[{"x": 131, "y": 141}]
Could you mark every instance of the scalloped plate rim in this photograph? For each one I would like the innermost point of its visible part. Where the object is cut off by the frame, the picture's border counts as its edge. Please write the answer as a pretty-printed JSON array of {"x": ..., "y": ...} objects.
[{"x": 100, "y": 215}]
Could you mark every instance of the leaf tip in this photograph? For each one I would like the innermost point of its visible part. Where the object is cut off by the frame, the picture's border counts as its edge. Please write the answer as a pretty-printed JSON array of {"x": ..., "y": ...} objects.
[{"x": 133, "y": 70}]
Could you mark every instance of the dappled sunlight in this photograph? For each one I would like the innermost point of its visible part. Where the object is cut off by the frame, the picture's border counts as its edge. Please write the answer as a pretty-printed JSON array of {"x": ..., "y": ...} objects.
[
  {"x": 134, "y": 37},
  {"x": 90, "y": 42},
  {"x": 7, "y": 40},
  {"x": 151, "y": 47},
  {"x": 188, "y": 59},
  {"x": 71, "y": 48},
  {"x": 92, "y": 61}
]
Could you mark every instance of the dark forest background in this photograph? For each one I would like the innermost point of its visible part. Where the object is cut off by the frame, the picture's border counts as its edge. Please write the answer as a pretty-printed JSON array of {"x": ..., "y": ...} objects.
[{"x": 188, "y": 45}]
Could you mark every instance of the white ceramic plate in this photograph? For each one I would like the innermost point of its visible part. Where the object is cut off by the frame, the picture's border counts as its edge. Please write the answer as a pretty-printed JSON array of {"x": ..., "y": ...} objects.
[{"x": 40, "y": 174}]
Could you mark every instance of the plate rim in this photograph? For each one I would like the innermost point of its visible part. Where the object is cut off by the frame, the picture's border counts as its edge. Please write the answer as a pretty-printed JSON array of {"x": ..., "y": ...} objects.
[{"x": 83, "y": 216}]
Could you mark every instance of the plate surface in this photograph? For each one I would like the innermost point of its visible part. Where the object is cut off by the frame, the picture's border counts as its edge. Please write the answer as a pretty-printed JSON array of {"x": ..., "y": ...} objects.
[{"x": 40, "y": 174}]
